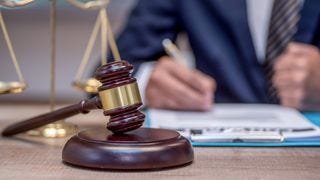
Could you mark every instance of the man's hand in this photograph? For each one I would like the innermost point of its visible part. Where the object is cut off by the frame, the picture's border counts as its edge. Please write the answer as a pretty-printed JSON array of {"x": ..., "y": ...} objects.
[
  {"x": 174, "y": 86},
  {"x": 297, "y": 77}
]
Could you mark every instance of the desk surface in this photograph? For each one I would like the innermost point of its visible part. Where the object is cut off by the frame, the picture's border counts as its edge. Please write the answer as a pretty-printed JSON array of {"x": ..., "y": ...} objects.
[{"x": 34, "y": 158}]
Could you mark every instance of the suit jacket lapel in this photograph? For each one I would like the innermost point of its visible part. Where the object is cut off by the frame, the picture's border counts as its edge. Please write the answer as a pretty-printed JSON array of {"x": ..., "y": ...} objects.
[{"x": 309, "y": 23}]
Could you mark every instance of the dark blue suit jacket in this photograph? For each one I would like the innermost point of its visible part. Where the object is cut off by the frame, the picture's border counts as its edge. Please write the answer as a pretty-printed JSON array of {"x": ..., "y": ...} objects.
[{"x": 219, "y": 36}]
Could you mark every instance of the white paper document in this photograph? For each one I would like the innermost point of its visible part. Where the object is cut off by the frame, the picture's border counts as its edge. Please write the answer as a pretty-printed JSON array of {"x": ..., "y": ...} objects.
[{"x": 237, "y": 122}]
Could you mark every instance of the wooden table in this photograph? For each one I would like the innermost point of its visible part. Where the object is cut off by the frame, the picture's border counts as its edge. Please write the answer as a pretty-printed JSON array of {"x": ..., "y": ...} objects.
[{"x": 34, "y": 158}]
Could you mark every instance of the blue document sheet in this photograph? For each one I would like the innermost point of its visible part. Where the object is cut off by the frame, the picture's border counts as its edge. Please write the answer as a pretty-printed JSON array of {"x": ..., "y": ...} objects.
[{"x": 268, "y": 122}]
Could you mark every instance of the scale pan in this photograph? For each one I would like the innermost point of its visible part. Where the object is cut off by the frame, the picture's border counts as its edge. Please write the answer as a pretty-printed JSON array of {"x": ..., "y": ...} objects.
[
  {"x": 90, "y": 86},
  {"x": 89, "y": 4},
  {"x": 12, "y": 87},
  {"x": 14, "y": 3}
]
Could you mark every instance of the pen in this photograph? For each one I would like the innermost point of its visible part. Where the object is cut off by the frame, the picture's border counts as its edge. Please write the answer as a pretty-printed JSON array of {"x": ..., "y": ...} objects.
[
  {"x": 262, "y": 137},
  {"x": 231, "y": 135},
  {"x": 173, "y": 51}
]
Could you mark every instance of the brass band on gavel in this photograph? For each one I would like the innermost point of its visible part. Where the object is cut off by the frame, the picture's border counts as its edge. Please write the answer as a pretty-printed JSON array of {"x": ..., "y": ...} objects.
[{"x": 122, "y": 96}]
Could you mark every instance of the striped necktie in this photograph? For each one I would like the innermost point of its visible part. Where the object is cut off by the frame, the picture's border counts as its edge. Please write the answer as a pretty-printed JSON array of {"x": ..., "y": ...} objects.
[{"x": 283, "y": 25}]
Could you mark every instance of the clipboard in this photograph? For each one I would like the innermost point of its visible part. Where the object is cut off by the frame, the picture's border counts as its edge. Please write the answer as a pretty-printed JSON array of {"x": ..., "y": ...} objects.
[{"x": 313, "y": 117}]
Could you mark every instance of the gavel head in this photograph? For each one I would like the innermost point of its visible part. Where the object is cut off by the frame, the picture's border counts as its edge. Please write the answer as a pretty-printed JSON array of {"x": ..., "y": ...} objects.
[{"x": 120, "y": 97}]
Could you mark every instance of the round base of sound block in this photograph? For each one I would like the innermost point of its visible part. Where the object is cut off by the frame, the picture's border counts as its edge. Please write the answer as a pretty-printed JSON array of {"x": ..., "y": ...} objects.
[{"x": 141, "y": 149}]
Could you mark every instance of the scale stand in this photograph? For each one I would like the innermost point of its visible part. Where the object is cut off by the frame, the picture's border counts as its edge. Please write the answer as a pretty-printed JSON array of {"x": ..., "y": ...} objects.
[{"x": 60, "y": 128}]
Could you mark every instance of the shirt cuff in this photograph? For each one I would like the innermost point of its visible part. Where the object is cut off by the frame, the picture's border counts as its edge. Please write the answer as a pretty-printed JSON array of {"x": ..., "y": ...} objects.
[{"x": 142, "y": 75}]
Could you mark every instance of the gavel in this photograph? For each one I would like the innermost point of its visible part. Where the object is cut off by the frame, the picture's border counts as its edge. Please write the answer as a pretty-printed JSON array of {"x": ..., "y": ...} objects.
[
  {"x": 115, "y": 148},
  {"x": 118, "y": 96}
]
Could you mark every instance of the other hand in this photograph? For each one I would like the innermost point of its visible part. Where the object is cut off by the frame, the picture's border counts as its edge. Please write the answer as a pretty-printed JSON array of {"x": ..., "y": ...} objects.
[
  {"x": 174, "y": 86},
  {"x": 297, "y": 77}
]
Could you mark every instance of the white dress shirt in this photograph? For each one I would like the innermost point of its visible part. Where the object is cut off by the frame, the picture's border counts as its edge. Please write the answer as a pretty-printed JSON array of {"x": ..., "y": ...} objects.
[{"x": 259, "y": 14}]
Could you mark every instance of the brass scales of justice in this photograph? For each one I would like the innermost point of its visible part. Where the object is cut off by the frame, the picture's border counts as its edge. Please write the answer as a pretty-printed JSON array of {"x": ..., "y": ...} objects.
[{"x": 124, "y": 144}]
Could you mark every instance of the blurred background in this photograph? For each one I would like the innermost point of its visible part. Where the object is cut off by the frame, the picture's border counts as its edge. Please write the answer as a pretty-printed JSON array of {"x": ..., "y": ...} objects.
[{"x": 29, "y": 31}]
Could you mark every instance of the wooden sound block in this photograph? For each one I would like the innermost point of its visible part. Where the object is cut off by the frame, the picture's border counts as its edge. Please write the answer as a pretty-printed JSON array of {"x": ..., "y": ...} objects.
[{"x": 141, "y": 149}]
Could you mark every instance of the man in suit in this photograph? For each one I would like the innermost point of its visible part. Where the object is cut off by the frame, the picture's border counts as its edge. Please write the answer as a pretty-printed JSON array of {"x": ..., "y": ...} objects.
[{"x": 233, "y": 42}]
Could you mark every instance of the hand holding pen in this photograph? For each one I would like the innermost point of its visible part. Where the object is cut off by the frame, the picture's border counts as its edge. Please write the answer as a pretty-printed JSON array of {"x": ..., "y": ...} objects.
[{"x": 172, "y": 85}]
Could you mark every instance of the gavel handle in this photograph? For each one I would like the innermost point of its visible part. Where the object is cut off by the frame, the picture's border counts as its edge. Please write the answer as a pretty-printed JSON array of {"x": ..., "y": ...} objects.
[{"x": 83, "y": 107}]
